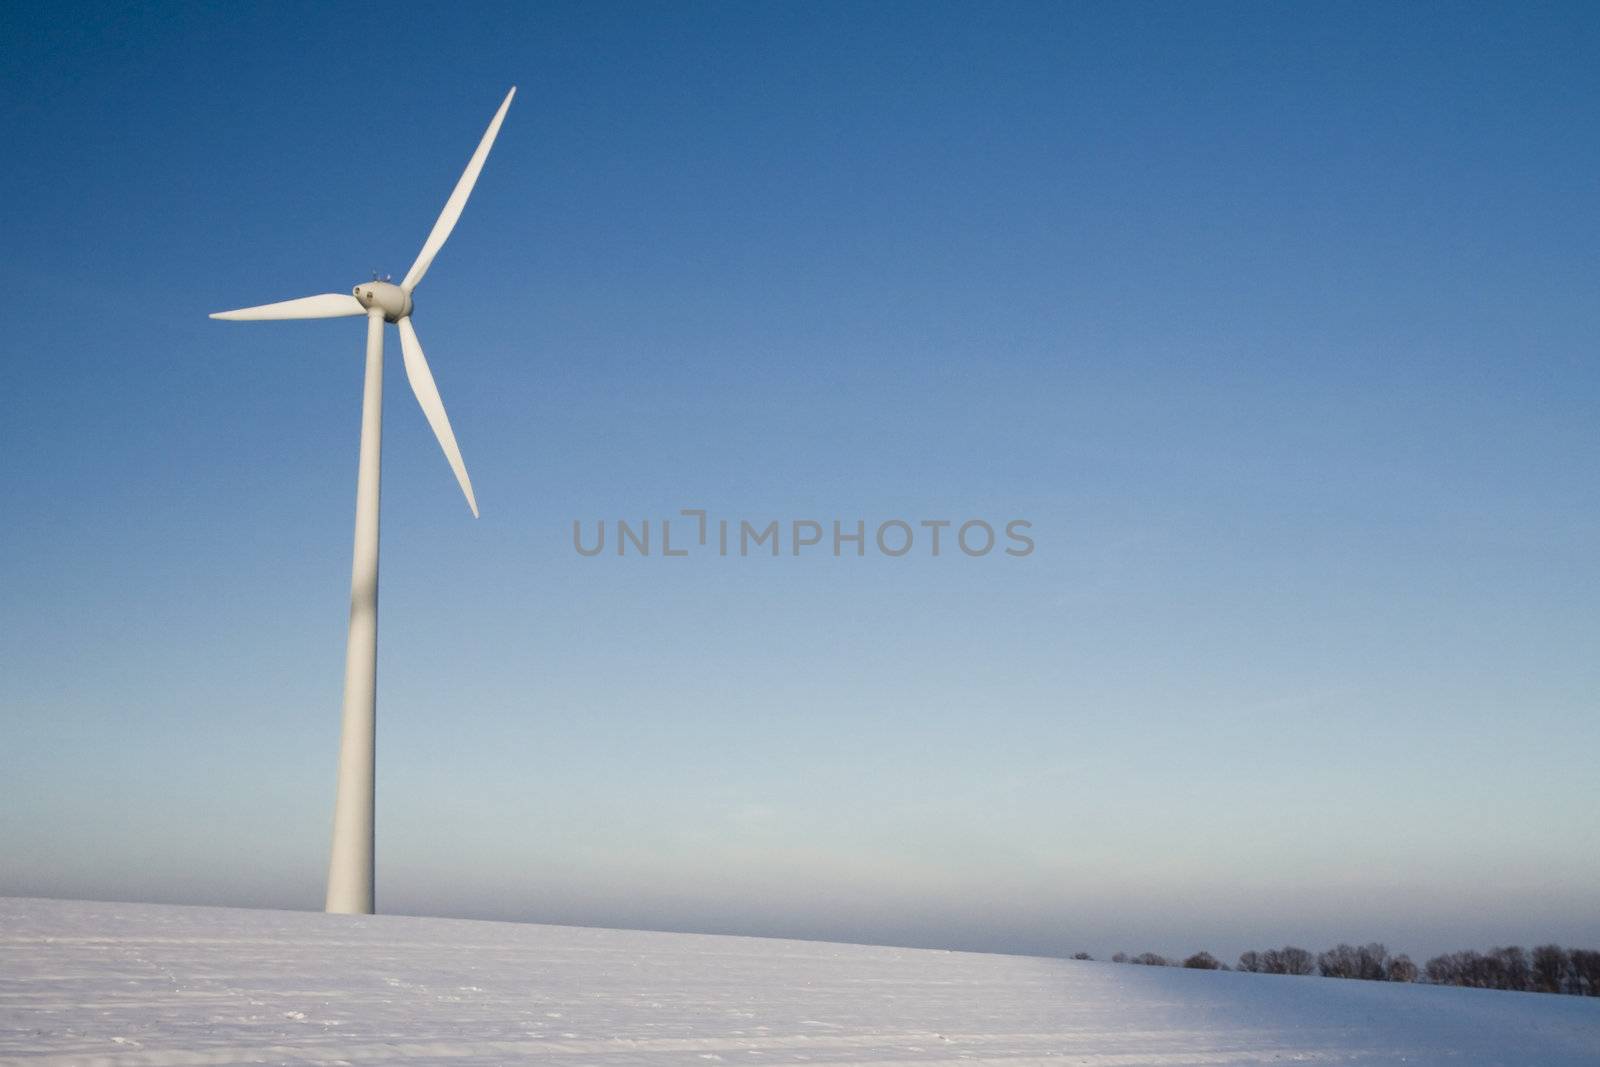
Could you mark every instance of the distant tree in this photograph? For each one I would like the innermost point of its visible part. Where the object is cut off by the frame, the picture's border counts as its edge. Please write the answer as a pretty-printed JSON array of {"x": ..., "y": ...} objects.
[
  {"x": 1288, "y": 960},
  {"x": 1550, "y": 966},
  {"x": 1550, "y": 969},
  {"x": 1585, "y": 970},
  {"x": 1476, "y": 970},
  {"x": 1338, "y": 962},
  {"x": 1369, "y": 962},
  {"x": 1372, "y": 962},
  {"x": 1400, "y": 969},
  {"x": 1082, "y": 956},
  {"x": 1512, "y": 970},
  {"x": 1487, "y": 971},
  {"x": 1547, "y": 969},
  {"x": 1457, "y": 968}
]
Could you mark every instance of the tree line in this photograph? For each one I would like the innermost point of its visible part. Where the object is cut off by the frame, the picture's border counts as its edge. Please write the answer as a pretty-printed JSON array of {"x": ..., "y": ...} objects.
[{"x": 1547, "y": 969}]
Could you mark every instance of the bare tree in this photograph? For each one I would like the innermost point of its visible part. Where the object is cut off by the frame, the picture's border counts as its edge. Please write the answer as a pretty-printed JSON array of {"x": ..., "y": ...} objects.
[
  {"x": 1471, "y": 969},
  {"x": 1347, "y": 961},
  {"x": 1338, "y": 962},
  {"x": 1297, "y": 961},
  {"x": 1288, "y": 960},
  {"x": 1585, "y": 965},
  {"x": 1547, "y": 969},
  {"x": 1550, "y": 966},
  {"x": 1400, "y": 969},
  {"x": 1444, "y": 970},
  {"x": 1372, "y": 961},
  {"x": 1512, "y": 969},
  {"x": 1482, "y": 972},
  {"x": 1368, "y": 962}
]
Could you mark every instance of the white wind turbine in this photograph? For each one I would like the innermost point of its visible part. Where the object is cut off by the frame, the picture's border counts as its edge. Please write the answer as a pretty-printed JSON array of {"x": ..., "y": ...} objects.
[{"x": 350, "y": 869}]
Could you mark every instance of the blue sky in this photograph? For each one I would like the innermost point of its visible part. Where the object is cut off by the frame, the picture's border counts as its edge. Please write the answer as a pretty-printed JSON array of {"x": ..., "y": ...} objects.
[{"x": 1278, "y": 323}]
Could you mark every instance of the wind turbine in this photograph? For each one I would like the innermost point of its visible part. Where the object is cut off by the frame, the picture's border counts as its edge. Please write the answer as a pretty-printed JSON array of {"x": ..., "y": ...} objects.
[{"x": 350, "y": 868}]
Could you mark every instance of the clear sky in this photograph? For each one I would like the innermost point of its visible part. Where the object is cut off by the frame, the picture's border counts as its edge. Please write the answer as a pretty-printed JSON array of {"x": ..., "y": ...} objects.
[{"x": 1278, "y": 323}]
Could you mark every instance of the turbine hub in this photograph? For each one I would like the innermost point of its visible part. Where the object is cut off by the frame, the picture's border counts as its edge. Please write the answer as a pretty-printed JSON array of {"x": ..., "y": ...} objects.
[{"x": 393, "y": 301}]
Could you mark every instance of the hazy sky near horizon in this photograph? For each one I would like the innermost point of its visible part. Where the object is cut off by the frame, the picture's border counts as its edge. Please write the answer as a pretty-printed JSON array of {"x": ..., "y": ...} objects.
[{"x": 1278, "y": 323}]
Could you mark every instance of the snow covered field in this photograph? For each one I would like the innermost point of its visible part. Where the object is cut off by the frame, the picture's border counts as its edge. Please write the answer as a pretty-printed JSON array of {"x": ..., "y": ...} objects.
[{"x": 126, "y": 984}]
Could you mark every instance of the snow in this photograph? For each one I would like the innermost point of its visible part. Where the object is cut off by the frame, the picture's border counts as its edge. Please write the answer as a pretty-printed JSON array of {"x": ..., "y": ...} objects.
[{"x": 138, "y": 984}]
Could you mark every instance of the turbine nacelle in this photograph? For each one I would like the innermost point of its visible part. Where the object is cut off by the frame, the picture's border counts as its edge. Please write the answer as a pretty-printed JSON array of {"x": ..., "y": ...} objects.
[{"x": 393, "y": 301}]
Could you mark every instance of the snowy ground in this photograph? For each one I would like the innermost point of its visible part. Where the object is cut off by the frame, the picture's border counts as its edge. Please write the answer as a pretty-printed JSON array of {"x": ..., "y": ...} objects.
[{"x": 130, "y": 984}]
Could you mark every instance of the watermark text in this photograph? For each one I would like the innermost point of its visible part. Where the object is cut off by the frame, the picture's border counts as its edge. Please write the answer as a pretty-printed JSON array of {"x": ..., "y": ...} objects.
[{"x": 693, "y": 531}]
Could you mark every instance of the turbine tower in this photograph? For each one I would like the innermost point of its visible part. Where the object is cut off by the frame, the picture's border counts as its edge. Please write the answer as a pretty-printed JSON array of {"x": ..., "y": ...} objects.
[{"x": 350, "y": 868}]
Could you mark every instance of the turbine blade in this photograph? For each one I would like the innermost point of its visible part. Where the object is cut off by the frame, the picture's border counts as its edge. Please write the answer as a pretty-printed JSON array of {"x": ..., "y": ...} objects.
[
  {"x": 326, "y": 306},
  {"x": 421, "y": 380},
  {"x": 457, "y": 201}
]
